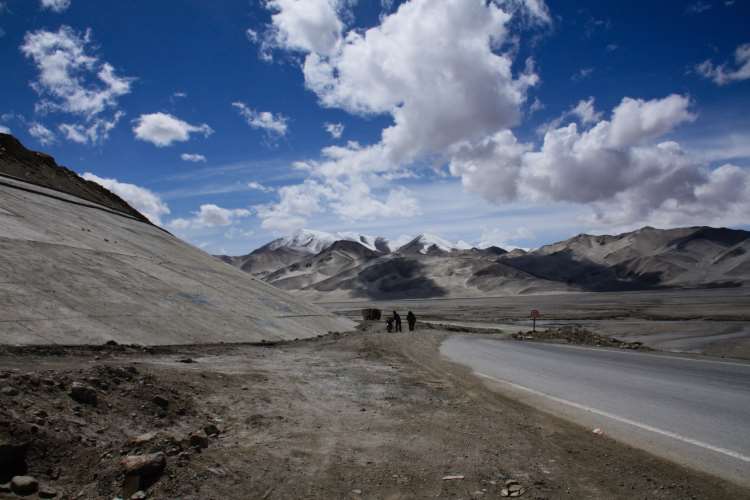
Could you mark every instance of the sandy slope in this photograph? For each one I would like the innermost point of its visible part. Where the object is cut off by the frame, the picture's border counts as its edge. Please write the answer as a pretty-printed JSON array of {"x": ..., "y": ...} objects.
[{"x": 78, "y": 272}]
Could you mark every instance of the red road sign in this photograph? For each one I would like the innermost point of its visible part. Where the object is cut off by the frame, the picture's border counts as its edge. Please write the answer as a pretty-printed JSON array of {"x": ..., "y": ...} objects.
[{"x": 535, "y": 314}]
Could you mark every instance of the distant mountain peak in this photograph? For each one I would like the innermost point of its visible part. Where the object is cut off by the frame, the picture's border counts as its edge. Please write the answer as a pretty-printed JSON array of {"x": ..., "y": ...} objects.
[
  {"x": 313, "y": 242},
  {"x": 426, "y": 242}
]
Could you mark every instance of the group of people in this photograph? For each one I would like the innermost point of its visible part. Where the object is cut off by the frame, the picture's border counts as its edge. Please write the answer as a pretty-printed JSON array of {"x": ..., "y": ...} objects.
[{"x": 393, "y": 323}]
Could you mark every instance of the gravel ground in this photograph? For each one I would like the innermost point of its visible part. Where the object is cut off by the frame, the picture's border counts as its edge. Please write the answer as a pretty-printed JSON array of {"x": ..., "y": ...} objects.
[{"x": 361, "y": 415}]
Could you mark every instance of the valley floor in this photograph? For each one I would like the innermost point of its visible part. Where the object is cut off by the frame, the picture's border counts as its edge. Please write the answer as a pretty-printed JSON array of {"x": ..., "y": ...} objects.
[
  {"x": 360, "y": 415},
  {"x": 714, "y": 322}
]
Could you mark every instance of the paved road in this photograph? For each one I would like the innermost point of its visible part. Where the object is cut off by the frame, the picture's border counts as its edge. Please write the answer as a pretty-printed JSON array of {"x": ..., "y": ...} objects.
[{"x": 693, "y": 411}]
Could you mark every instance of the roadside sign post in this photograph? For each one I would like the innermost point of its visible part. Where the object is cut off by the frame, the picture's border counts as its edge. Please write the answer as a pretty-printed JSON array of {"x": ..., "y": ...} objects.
[{"x": 534, "y": 315}]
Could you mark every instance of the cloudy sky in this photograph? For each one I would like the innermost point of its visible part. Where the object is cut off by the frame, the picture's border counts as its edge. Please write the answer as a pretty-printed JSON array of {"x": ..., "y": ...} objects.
[{"x": 513, "y": 122}]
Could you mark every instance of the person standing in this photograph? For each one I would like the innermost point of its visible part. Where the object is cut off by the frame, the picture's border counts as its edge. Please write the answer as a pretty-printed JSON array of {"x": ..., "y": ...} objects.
[
  {"x": 412, "y": 320},
  {"x": 397, "y": 321}
]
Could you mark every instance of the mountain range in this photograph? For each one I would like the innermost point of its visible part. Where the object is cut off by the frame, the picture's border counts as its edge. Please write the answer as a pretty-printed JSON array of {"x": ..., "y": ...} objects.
[{"x": 347, "y": 265}]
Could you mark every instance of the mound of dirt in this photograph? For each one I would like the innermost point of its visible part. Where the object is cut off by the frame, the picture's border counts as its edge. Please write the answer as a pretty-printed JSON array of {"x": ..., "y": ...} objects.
[{"x": 574, "y": 334}]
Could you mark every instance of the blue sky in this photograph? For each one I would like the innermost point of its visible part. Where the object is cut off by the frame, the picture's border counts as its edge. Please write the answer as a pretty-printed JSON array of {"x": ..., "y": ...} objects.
[{"x": 514, "y": 122}]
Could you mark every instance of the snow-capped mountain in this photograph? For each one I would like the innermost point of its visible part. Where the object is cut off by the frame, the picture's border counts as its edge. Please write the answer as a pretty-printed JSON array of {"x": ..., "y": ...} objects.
[
  {"x": 426, "y": 242},
  {"x": 313, "y": 242},
  {"x": 353, "y": 265}
]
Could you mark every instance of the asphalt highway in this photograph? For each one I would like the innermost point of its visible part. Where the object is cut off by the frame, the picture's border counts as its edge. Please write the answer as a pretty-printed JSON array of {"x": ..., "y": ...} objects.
[{"x": 691, "y": 410}]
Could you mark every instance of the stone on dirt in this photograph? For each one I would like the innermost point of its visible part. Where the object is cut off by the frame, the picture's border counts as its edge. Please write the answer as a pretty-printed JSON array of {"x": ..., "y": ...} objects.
[
  {"x": 143, "y": 438},
  {"x": 47, "y": 492},
  {"x": 512, "y": 489},
  {"x": 83, "y": 394},
  {"x": 141, "y": 471},
  {"x": 24, "y": 485}
]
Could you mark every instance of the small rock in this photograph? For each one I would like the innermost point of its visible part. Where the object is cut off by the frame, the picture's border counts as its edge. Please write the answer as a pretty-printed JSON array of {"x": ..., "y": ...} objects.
[
  {"x": 5, "y": 488},
  {"x": 357, "y": 492},
  {"x": 143, "y": 438},
  {"x": 83, "y": 394},
  {"x": 9, "y": 391},
  {"x": 47, "y": 492},
  {"x": 141, "y": 471},
  {"x": 139, "y": 495},
  {"x": 211, "y": 430},
  {"x": 153, "y": 463},
  {"x": 186, "y": 360},
  {"x": 24, "y": 485}
]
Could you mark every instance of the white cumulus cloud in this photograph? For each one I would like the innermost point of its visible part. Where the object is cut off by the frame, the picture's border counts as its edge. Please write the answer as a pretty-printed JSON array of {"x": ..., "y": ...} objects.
[
  {"x": 4, "y": 130},
  {"x": 162, "y": 129},
  {"x": 71, "y": 79},
  {"x": 145, "y": 201},
  {"x": 193, "y": 157},
  {"x": 42, "y": 134},
  {"x": 75, "y": 81},
  {"x": 335, "y": 129},
  {"x": 457, "y": 103},
  {"x": 55, "y": 5},
  {"x": 722, "y": 74},
  {"x": 618, "y": 167},
  {"x": 260, "y": 187},
  {"x": 92, "y": 132},
  {"x": 439, "y": 95},
  {"x": 306, "y": 26},
  {"x": 210, "y": 215},
  {"x": 273, "y": 124}
]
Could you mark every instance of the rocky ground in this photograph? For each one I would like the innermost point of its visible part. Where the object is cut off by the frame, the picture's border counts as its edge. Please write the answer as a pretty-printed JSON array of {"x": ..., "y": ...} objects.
[
  {"x": 361, "y": 415},
  {"x": 576, "y": 334}
]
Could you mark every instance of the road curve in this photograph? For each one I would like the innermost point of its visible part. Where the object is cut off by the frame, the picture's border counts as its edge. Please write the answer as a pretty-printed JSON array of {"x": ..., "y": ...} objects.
[{"x": 693, "y": 411}]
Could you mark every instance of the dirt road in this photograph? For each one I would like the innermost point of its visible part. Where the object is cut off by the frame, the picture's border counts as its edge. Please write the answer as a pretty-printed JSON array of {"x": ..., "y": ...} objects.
[{"x": 364, "y": 415}]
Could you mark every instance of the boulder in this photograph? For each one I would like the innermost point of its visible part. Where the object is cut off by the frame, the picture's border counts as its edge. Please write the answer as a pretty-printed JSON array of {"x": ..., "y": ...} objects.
[{"x": 24, "y": 485}]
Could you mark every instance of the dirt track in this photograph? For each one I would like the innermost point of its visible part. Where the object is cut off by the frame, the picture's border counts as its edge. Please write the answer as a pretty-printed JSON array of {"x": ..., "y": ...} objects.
[{"x": 366, "y": 415}]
